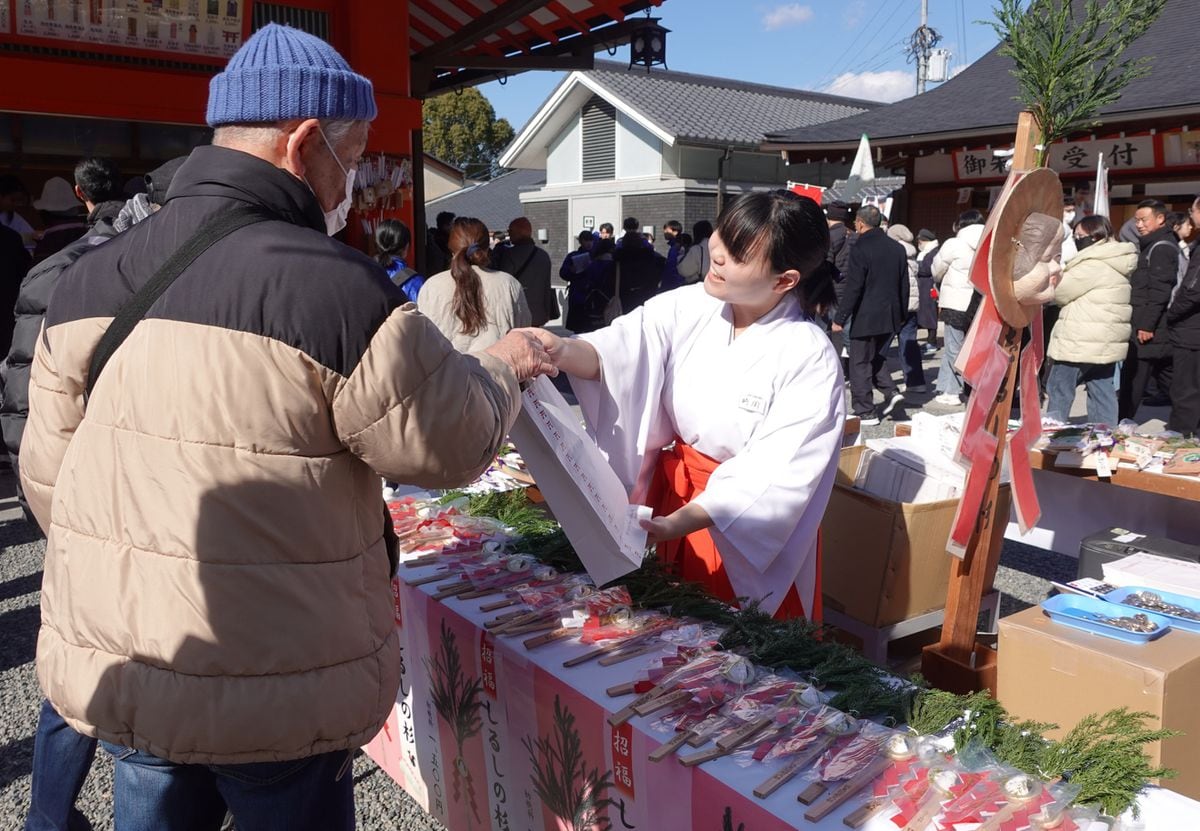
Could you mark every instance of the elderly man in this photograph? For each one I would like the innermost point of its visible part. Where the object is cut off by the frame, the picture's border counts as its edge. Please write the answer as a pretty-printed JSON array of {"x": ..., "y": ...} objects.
[
  {"x": 216, "y": 604},
  {"x": 523, "y": 259}
]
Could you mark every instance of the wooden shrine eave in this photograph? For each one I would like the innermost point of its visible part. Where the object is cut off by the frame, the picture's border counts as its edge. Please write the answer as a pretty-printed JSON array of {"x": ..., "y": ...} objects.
[{"x": 460, "y": 43}]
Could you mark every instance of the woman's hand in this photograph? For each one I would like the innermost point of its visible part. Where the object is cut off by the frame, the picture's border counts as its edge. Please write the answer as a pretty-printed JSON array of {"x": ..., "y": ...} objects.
[
  {"x": 687, "y": 520},
  {"x": 553, "y": 345}
]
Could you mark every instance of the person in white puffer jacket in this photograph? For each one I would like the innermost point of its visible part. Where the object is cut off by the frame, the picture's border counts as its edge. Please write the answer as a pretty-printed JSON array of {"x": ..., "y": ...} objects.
[
  {"x": 1093, "y": 330},
  {"x": 956, "y": 306},
  {"x": 910, "y": 349}
]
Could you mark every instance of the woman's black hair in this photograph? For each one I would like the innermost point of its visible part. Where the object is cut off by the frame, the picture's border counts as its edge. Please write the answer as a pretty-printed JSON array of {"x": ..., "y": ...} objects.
[
  {"x": 391, "y": 237},
  {"x": 1096, "y": 227},
  {"x": 702, "y": 230},
  {"x": 971, "y": 216},
  {"x": 790, "y": 232}
]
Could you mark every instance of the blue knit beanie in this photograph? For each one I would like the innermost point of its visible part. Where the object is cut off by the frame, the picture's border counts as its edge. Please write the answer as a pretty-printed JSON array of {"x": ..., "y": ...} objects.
[{"x": 282, "y": 73}]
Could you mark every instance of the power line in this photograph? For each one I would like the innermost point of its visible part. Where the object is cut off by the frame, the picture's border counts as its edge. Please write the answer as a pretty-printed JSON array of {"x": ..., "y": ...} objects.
[
  {"x": 849, "y": 55},
  {"x": 962, "y": 19}
]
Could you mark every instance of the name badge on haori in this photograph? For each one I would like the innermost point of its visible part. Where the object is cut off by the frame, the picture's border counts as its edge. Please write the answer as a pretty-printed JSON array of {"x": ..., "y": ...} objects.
[{"x": 753, "y": 404}]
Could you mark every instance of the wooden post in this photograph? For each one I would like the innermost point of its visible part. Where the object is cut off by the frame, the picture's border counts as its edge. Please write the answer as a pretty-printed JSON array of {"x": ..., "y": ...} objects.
[{"x": 957, "y": 663}]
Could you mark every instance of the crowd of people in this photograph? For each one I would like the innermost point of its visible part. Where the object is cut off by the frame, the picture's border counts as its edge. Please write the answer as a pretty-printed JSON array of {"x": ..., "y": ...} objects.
[
  {"x": 1125, "y": 322},
  {"x": 605, "y": 273}
]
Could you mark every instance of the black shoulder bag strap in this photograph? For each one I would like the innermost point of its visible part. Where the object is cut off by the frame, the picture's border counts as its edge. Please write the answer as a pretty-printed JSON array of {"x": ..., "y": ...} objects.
[{"x": 132, "y": 313}]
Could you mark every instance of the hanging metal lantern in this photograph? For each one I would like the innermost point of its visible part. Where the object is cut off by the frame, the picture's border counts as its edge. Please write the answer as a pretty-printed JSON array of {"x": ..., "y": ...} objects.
[{"x": 648, "y": 45}]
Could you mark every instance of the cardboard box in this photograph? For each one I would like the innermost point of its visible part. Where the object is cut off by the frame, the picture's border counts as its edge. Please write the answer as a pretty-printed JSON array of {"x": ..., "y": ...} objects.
[
  {"x": 1051, "y": 672},
  {"x": 883, "y": 561}
]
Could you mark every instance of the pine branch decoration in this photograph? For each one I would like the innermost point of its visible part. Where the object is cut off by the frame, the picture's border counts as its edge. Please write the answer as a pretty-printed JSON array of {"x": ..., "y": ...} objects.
[
  {"x": 1103, "y": 754},
  {"x": 1070, "y": 66},
  {"x": 562, "y": 779},
  {"x": 456, "y": 699}
]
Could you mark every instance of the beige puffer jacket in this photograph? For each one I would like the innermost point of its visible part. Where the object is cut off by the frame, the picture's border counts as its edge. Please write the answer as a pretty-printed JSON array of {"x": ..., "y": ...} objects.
[
  {"x": 217, "y": 586},
  {"x": 1094, "y": 324}
]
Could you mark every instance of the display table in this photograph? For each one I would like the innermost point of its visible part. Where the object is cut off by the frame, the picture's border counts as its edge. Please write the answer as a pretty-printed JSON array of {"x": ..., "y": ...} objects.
[
  {"x": 483, "y": 778},
  {"x": 1076, "y": 503},
  {"x": 1164, "y": 484}
]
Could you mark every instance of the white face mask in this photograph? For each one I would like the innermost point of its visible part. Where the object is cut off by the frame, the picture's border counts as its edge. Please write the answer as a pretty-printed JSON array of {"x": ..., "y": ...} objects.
[{"x": 335, "y": 220}]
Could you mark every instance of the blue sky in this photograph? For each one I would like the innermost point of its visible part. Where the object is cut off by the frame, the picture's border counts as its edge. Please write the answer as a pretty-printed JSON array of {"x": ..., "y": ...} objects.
[{"x": 852, "y": 47}]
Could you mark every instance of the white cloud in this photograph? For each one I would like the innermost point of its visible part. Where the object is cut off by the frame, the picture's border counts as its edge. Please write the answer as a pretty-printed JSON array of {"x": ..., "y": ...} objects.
[
  {"x": 890, "y": 85},
  {"x": 790, "y": 14},
  {"x": 854, "y": 13}
]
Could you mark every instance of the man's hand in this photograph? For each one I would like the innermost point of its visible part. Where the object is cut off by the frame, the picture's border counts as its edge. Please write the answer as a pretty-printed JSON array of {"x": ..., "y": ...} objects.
[
  {"x": 1143, "y": 336},
  {"x": 524, "y": 354},
  {"x": 836, "y": 327},
  {"x": 572, "y": 355}
]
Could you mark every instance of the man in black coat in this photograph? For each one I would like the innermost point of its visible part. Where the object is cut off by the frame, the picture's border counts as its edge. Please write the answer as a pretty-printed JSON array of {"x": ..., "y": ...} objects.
[
  {"x": 873, "y": 309},
  {"x": 1183, "y": 324},
  {"x": 14, "y": 263},
  {"x": 837, "y": 214},
  {"x": 525, "y": 260},
  {"x": 1152, "y": 282}
]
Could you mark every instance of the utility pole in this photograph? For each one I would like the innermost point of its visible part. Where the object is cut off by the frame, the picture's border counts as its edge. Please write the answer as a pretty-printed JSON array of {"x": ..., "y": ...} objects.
[
  {"x": 921, "y": 44},
  {"x": 923, "y": 57}
]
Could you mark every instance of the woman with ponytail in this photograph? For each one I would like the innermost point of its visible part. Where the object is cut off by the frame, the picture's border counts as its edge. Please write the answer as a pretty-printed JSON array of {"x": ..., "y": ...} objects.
[
  {"x": 473, "y": 305},
  {"x": 736, "y": 377}
]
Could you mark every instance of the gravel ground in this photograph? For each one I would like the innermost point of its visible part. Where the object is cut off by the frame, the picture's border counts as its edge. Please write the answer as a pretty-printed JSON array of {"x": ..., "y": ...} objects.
[{"x": 1023, "y": 578}]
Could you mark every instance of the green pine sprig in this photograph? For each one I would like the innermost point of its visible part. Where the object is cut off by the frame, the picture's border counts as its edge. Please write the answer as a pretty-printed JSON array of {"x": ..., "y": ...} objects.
[
  {"x": 1069, "y": 62},
  {"x": 561, "y": 776},
  {"x": 455, "y": 695},
  {"x": 1104, "y": 755}
]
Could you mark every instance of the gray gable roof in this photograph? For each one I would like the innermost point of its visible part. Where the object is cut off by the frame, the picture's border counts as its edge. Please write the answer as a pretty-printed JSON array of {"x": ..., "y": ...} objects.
[
  {"x": 708, "y": 110},
  {"x": 495, "y": 203},
  {"x": 983, "y": 95}
]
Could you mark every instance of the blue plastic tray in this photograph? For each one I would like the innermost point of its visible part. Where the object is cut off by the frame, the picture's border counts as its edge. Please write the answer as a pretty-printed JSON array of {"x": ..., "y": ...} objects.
[
  {"x": 1076, "y": 611},
  {"x": 1119, "y": 596}
]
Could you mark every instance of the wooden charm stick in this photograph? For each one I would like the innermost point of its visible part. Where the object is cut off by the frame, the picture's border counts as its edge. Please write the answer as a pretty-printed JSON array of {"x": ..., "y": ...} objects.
[{"x": 847, "y": 789}]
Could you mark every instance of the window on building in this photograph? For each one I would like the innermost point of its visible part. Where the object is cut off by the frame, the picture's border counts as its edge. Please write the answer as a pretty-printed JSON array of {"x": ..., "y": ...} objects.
[
  {"x": 76, "y": 137},
  {"x": 599, "y": 120},
  {"x": 166, "y": 141}
]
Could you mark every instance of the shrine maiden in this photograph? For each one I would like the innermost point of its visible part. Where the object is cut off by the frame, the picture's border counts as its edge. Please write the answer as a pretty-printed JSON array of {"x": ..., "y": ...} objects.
[{"x": 737, "y": 376}]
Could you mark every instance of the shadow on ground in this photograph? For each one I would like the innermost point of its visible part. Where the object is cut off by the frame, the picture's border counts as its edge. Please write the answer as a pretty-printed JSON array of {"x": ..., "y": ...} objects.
[{"x": 19, "y": 644}]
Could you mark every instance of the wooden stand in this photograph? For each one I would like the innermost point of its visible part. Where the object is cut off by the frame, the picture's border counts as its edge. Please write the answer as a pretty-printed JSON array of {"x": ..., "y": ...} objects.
[{"x": 957, "y": 663}]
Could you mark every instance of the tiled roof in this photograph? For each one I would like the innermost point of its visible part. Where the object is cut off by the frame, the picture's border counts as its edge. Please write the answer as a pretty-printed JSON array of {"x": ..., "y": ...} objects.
[
  {"x": 881, "y": 188},
  {"x": 983, "y": 95},
  {"x": 496, "y": 202},
  {"x": 709, "y": 110}
]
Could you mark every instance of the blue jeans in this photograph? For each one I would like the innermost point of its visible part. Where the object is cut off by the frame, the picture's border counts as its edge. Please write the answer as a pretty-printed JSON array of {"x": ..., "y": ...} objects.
[
  {"x": 311, "y": 794},
  {"x": 949, "y": 382},
  {"x": 910, "y": 353},
  {"x": 1065, "y": 378},
  {"x": 61, "y": 761}
]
